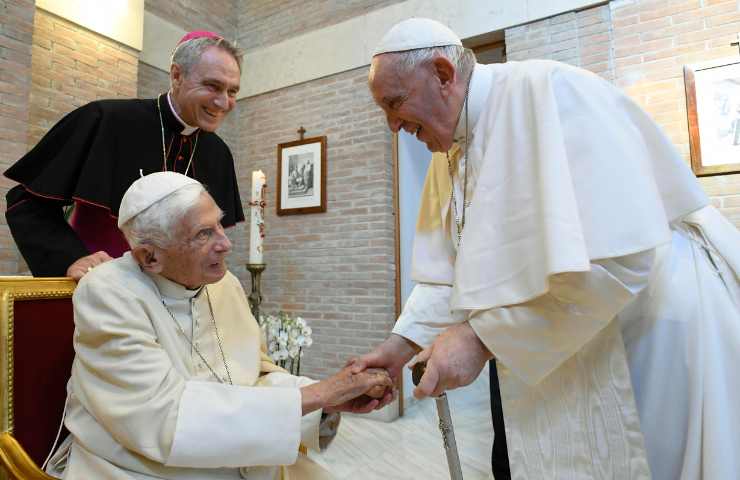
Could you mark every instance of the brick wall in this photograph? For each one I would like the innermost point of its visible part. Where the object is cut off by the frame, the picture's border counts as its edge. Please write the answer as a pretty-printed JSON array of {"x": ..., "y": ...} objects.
[
  {"x": 215, "y": 15},
  {"x": 336, "y": 269},
  {"x": 265, "y": 22},
  {"x": 151, "y": 81},
  {"x": 642, "y": 46},
  {"x": 580, "y": 38},
  {"x": 16, "y": 31},
  {"x": 71, "y": 67},
  {"x": 652, "y": 42}
]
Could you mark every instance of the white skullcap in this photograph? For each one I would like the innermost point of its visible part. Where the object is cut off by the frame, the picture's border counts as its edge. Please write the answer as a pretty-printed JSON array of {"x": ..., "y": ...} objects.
[
  {"x": 148, "y": 190},
  {"x": 414, "y": 33}
]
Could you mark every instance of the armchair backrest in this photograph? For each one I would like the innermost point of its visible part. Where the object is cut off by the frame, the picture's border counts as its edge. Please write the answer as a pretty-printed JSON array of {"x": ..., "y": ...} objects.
[{"x": 36, "y": 353}]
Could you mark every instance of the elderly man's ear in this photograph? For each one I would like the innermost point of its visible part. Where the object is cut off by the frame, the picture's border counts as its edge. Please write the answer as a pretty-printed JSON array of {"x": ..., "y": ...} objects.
[
  {"x": 148, "y": 257},
  {"x": 445, "y": 71},
  {"x": 176, "y": 75}
]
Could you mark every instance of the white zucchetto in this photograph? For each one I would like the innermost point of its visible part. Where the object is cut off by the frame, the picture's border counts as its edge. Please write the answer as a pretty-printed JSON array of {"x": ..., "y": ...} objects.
[
  {"x": 148, "y": 190},
  {"x": 414, "y": 33}
]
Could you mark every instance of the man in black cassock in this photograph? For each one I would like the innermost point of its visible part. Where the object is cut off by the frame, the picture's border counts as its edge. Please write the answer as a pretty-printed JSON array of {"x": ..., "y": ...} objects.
[{"x": 96, "y": 152}]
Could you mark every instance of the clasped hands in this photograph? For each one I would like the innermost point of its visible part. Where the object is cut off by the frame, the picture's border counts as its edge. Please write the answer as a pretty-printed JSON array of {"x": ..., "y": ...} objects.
[
  {"x": 349, "y": 391},
  {"x": 454, "y": 360}
]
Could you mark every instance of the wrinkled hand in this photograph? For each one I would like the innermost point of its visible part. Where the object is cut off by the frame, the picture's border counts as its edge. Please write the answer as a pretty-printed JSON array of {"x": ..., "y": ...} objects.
[
  {"x": 454, "y": 360},
  {"x": 346, "y": 391},
  {"x": 83, "y": 265},
  {"x": 391, "y": 355}
]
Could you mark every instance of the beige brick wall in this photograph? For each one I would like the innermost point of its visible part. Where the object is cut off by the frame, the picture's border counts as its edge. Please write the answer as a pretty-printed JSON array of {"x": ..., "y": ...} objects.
[
  {"x": 214, "y": 15},
  {"x": 642, "y": 46},
  {"x": 71, "y": 67},
  {"x": 16, "y": 31},
  {"x": 151, "y": 81},
  {"x": 336, "y": 269},
  {"x": 265, "y": 22},
  {"x": 652, "y": 42},
  {"x": 580, "y": 38}
]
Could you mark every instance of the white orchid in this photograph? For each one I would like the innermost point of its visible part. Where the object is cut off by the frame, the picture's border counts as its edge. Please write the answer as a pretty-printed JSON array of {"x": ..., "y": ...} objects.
[{"x": 286, "y": 337}]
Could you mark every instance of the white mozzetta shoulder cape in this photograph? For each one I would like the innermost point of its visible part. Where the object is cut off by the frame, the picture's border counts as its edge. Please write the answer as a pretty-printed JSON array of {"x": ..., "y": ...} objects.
[{"x": 570, "y": 171}]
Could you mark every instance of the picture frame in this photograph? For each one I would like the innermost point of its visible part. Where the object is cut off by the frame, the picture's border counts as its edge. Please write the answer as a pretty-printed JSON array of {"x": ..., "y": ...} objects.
[
  {"x": 713, "y": 110},
  {"x": 301, "y": 185}
]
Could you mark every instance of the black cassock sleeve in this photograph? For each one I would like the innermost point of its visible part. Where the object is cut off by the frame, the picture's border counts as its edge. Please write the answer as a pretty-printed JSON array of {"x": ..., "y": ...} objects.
[
  {"x": 42, "y": 234},
  {"x": 48, "y": 175}
]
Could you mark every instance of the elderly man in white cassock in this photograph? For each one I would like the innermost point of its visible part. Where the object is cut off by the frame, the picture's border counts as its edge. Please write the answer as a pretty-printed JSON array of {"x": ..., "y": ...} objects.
[
  {"x": 170, "y": 379},
  {"x": 567, "y": 240}
]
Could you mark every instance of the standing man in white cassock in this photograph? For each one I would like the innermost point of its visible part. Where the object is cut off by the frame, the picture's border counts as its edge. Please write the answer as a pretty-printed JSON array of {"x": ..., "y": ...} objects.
[
  {"x": 571, "y": 244},
  {"x": 170, "y": 379}
]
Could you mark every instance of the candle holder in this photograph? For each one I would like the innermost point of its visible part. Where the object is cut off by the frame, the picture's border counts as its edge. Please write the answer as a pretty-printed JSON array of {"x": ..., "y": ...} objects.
[{"x": 255, "y": 296}]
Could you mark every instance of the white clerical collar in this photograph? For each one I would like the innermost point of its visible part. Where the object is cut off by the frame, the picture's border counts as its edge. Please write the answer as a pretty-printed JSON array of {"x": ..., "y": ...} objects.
[
  {"x": 168, "y": 288},
  {"x": 186, "y": 129},
  {"x": 480, "y": 87}
]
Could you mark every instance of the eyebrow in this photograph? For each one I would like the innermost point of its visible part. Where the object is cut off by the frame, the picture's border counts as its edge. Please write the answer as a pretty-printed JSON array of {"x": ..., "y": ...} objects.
[{"x": 203, "y": 226}]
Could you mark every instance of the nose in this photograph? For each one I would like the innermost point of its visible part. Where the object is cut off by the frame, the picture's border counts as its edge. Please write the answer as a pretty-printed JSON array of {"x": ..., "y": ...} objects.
[
  {"x": 222, "y": 243},
  {"x": 222, "y": 100}
]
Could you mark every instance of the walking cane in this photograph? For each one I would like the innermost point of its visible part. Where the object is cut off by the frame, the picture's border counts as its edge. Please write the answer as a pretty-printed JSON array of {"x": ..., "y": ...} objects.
[{"x": 445, "y": 425}]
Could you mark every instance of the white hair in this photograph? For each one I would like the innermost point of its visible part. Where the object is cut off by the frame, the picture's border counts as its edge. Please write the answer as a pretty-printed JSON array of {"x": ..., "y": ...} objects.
[
  {"x": 407, "y": 61},
  {"x": 158, "y": 224},
  {"x": 188, "y": 53}
]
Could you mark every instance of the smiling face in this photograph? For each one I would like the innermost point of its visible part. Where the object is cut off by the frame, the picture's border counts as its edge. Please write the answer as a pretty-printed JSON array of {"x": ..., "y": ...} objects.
[
  {"x": 424, "y": 102},
  {"x": 198, "y": 256},
  {"x": 204, "y": 96}
]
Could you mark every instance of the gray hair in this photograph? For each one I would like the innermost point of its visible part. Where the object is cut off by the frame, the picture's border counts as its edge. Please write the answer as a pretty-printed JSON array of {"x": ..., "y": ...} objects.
[
  {"x": 158, "y": 224},
  {"x": 188, "y": 53},
  {"x": 407, "y": 61}
]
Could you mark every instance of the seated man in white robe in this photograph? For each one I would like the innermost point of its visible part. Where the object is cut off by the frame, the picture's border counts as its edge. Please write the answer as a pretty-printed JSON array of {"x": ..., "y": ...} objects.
[{"x": 170, "y": 379}]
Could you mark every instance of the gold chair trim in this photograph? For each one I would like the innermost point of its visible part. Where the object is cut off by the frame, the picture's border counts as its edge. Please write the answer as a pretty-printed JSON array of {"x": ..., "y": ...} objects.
[{"x": 18, "y": 464}]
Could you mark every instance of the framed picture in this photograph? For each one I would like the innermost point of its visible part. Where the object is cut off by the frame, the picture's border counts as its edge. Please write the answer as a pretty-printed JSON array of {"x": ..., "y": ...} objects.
[
  {"x": 713, "y": 107},
  {"x": 301, "y": 170}
]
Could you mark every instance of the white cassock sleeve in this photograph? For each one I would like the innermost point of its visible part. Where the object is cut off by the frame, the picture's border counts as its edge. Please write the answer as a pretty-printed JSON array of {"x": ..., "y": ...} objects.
[
  {"x": 128, "y": 383},
  {"x": 311, "y": 422},
  {"x": 191, "y": 442},
  {"x": 234, "y": 426},
  {"x": 534, "y": 338},
  {"x": 426, "y": 314}
]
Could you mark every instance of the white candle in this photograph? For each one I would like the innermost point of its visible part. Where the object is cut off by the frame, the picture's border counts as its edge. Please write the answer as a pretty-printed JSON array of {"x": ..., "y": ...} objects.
[{"x": 257, "y": 224}]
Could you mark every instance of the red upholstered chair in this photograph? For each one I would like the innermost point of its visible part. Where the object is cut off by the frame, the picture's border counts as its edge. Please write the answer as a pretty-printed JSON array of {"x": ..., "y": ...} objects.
[{"x": 36, "y": 353}]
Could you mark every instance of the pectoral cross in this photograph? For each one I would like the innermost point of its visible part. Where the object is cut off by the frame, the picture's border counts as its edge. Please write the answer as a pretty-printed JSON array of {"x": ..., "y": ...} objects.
[{"x": 737, "y": 44}]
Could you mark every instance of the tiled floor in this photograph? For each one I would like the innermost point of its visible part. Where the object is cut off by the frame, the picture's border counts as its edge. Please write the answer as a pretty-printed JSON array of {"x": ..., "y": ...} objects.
[{"x": 411, "y": 446}]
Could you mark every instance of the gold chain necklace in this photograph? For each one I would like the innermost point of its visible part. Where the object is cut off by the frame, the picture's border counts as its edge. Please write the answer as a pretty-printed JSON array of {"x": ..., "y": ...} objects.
[
  {"x": 194, "y": 347},
  {"x": 164, "y": 150},
  {"x": 460, "y": 218}
]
